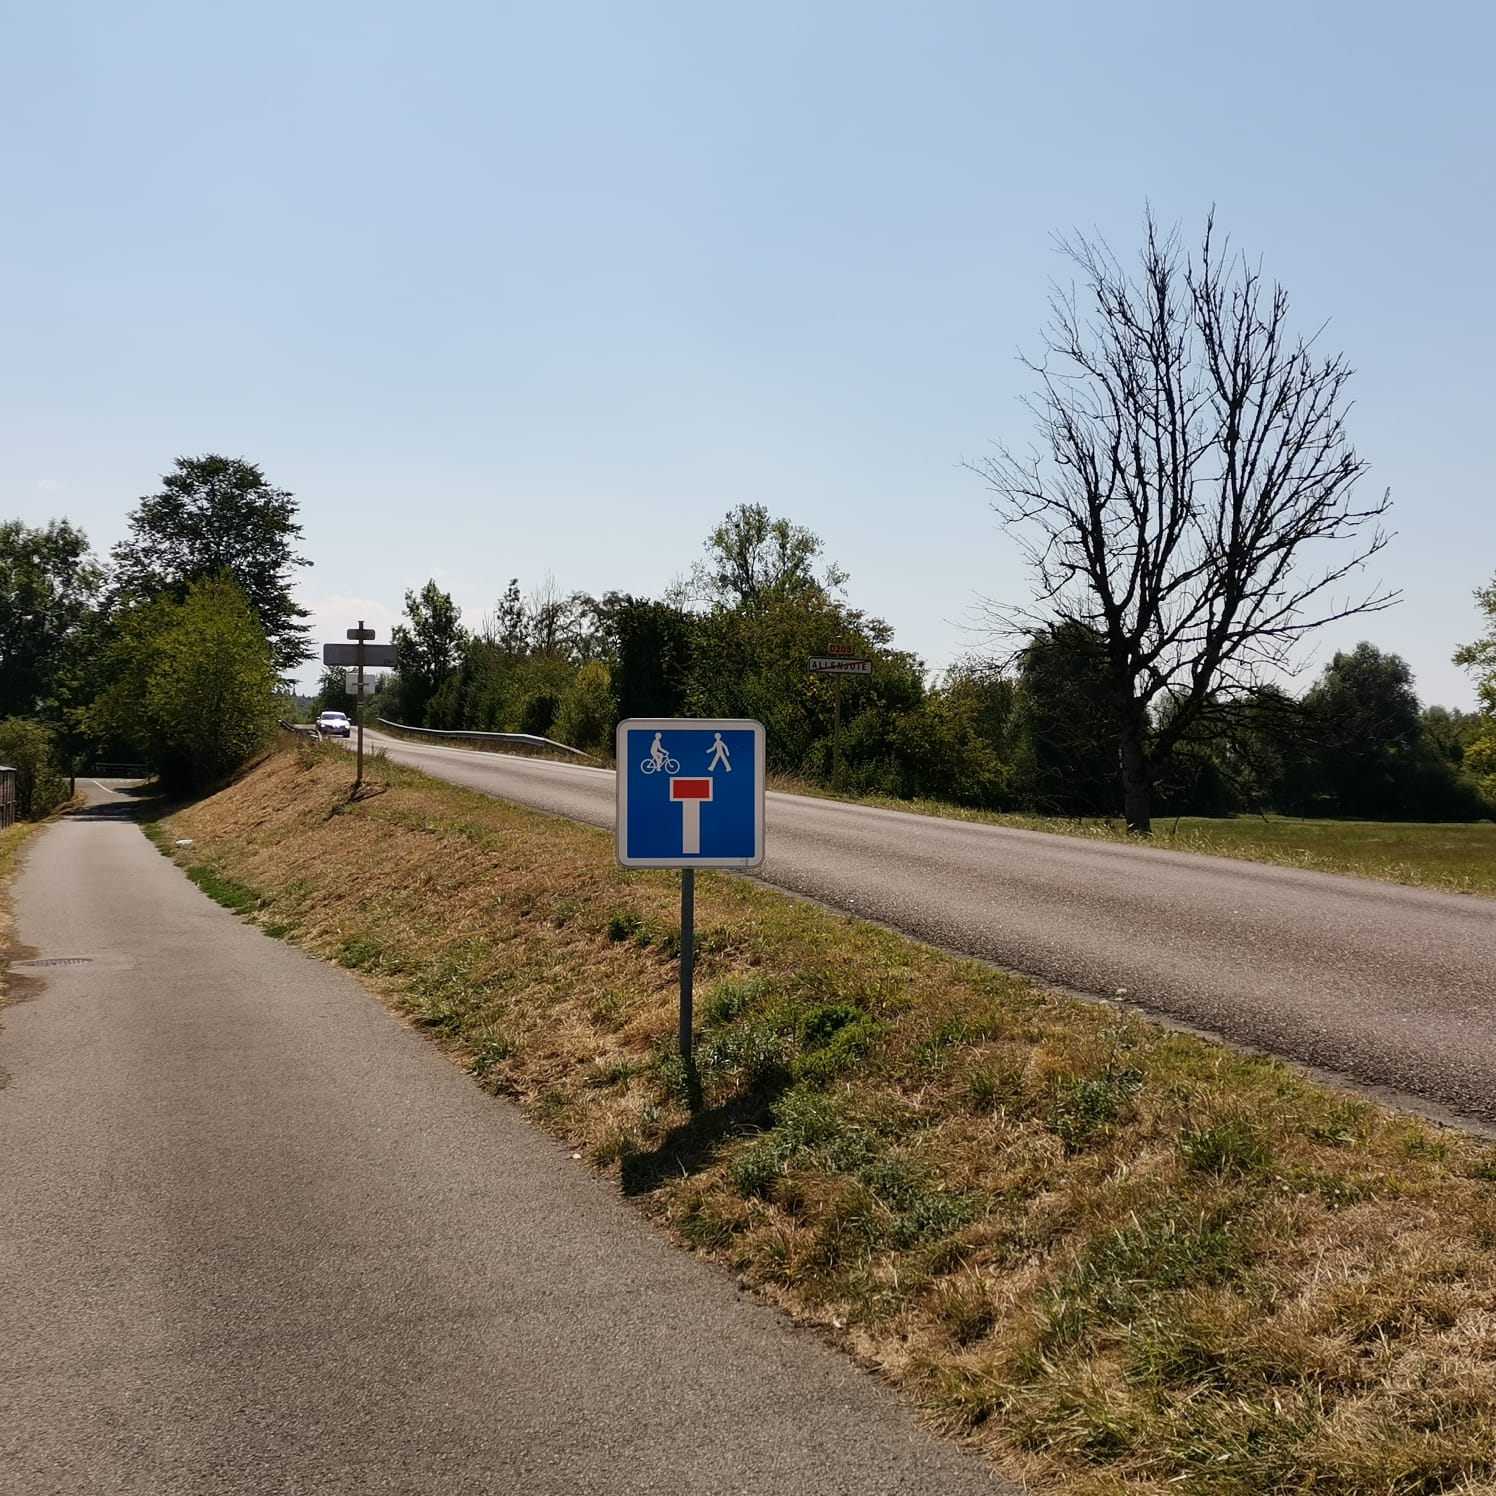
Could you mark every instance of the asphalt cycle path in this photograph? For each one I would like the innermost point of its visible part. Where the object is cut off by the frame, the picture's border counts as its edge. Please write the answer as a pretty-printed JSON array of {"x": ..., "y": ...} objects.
[
  {"x": 1392, "y": 988},
  {"x": 256, "y": 1236}
]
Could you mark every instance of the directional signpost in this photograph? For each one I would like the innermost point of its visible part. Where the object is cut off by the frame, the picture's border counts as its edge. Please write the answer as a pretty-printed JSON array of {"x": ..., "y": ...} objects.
[
  {"x": 376, "y": 656},
  {"x": 690, "y": 794},
  {"x": 359, "y": 655},
  {"x": 838, "y": 662}
]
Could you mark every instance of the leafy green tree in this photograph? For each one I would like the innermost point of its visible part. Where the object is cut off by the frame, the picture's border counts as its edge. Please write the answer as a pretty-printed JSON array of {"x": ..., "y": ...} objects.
[
  {"x": 1065, "y": 727},
  {"x": 654, "y": 644},
  {"x": 429, "y": 650},
  {"x": 941, "y": 751},
  {"x": 216, "y": 514},
  {"x": 585, "y": 718},
  {"x": 1366, "y": 752},
  {"x": 30, "y": 748},
  {"x": 1363, "y": 728},
  {"x": 1193, "y": 500},
  {"x": 1196, "y": 778},
  {"x": 752, "y": 661},
  {"x": 332, "y": 692},
  {"x": 752, "y": 558},
  {"x": 1451, "y": 733},
  {"x": 508, "y": 627},
  {"x": 983, "y": 693},
  {"x": 1480, "y": 761},
  {"x": 560, "y": 625},
  {"x": 49, "y": 585},
  {"x": 1480, "y": 659},
  {"x": 194, "y": 684}
]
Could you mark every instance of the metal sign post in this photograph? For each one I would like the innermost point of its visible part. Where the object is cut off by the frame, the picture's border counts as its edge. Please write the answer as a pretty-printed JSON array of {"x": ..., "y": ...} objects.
[
  {"x": 687, "y": 957},
  {"x": 838, "y": 664},
  {"x": 360, "y": 633},
  {"x": 690, "y": 794},
  {"x": 836, "y": 734},
  {"x": 358, "y": 655}
]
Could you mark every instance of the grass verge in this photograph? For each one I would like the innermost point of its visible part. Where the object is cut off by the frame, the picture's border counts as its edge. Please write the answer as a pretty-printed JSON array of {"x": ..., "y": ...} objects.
[
  {"x": 1120, "y": 1259},
  {"x": 12, "y": 839}
]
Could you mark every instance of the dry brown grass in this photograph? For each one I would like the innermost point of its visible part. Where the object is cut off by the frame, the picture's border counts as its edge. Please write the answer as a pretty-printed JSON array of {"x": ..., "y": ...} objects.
[
  {"x": 1119, "y": 1258},
  {"x": 12, "y": 839}
]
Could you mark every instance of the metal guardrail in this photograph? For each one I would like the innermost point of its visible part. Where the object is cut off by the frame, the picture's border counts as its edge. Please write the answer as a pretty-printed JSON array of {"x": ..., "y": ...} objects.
[
  {"x": 120, "y": 771},
  {"x": 528, "y": 739},
  {"x": 7, "y": 796}
]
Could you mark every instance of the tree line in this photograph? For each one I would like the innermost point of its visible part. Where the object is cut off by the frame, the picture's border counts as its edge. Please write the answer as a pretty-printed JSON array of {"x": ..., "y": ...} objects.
[
  {"x": 172, "y": 652},
  {"x": 1190, "y": 507},
  {"x": 1034, "y": 731}
]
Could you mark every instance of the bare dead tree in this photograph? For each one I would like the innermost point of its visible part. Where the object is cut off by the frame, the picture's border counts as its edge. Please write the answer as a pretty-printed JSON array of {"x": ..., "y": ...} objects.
[{"x": 1191, "y": 453}]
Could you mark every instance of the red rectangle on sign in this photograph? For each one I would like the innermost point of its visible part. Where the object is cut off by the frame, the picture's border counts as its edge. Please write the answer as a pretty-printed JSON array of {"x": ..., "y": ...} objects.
[{"x": 690, "y": 789}]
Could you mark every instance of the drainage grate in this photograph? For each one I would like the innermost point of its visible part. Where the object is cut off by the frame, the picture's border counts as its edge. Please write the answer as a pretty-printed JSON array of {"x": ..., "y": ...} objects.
[{"x": 56, "y": 961}]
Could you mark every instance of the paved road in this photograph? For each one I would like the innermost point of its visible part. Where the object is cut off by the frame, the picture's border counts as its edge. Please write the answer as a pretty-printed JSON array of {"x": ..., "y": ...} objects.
[
  {"x": 256, "y": 1237},
  {"x": 1392, "y": 987}
]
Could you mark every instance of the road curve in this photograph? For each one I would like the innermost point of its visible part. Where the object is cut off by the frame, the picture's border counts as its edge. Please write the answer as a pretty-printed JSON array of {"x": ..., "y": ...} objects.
[
  {"x": 1393, "y": 988},
  {"x": 256, "y": 1237}
]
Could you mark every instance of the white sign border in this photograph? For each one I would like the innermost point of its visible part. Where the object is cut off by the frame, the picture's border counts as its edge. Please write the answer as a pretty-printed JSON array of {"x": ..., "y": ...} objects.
[{"x": 687, "y": 724}]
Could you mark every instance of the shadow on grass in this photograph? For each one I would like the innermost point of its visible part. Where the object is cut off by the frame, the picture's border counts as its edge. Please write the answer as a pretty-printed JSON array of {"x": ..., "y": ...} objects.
[{"x": 694, "y": 1144}]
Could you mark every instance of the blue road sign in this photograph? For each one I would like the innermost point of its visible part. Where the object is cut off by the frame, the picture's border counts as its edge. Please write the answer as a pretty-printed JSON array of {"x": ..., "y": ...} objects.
[{"x": 690, "y": 792}]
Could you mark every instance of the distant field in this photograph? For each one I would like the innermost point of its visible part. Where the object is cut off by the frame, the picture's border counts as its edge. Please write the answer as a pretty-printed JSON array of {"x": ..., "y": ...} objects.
[
  {"x": 1455, "y": 855},
  {"x": 1459, "y": 857}
]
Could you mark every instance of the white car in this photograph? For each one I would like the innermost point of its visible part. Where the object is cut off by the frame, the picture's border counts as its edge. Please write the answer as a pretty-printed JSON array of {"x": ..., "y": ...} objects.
[{"x": 334, "y": 724}]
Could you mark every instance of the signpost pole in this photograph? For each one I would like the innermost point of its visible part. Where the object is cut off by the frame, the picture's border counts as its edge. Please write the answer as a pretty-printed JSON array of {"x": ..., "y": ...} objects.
[
  {"x": 687, "y": 958},
  {"x": 689, "y": 794},
  {"x": 358, "y": 707},
  {"x": 836, "y": 737}
]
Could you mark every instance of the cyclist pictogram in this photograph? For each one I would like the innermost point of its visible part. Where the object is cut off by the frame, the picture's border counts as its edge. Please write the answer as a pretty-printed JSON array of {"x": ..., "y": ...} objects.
[{"x": 659, "y": 762}]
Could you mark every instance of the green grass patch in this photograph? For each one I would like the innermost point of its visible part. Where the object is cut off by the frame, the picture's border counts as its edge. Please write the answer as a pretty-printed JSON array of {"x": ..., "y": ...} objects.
[{"x": 226, "y": 891}]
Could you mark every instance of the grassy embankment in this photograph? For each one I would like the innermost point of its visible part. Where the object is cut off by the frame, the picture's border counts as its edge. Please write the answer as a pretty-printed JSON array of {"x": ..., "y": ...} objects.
[{"x": 1120, "y": 1259}]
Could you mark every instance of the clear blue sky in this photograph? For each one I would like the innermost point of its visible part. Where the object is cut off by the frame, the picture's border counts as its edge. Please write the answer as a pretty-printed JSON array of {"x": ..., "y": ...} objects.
[{"x": 506, "y": 290}]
